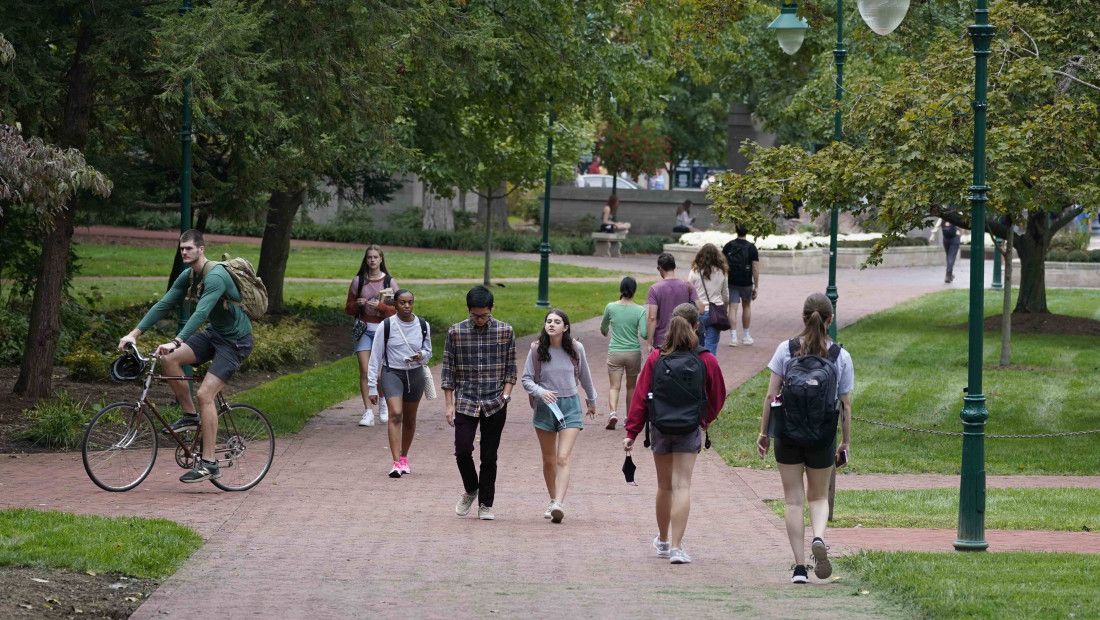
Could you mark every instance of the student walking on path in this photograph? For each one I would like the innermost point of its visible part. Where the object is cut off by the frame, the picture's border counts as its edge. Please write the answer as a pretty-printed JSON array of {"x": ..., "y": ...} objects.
[
  {"x": 814, "y": 374},
  {"x": 743, "y": 260},
  {"x": 664, "y": 296},
  {"x": 479, "y": 373},
  {"x": 708, "y": 276},
  {"x": 370, "y": 300},
  {"x": 556, "y": 364},
  {"x": 403, "y": 347},
  {"x": 626, "y": 322},
  {"x": 680, "y": 392}
]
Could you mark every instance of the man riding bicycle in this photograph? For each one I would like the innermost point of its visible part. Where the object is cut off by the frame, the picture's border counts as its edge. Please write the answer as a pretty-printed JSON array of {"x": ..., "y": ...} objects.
[{"x": 227, "y": 340}]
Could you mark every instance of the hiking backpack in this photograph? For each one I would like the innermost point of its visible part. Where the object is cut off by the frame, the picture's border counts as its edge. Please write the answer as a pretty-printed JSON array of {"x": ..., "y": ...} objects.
[
  {"x": 810, "y": 411},
  {"x": 737, "y": 256},
  {"x": 677, "y": 400},
  {"x": 249, "y": 285}
]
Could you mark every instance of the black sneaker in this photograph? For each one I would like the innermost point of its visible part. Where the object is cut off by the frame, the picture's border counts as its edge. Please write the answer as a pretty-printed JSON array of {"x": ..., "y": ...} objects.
[
  {"x": 187, "y": 421},
  {"x": 203, "y": 470},
  {"x": 822, "y": 566},
  {"x": 800, "y": 575}
]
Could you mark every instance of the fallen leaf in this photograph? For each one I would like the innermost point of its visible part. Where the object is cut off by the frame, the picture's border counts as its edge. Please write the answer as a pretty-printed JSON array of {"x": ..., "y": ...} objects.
[
  {"x": 864, "y": 592},
  {"x": 131, "y": 599},
  {"x": 40, "y": 580},
  {"x": 835, "y": 579},
  {"x": 26, "y": 606},
  {"x": 53, "y": 601},
  {"x": 91, "y": 572}
]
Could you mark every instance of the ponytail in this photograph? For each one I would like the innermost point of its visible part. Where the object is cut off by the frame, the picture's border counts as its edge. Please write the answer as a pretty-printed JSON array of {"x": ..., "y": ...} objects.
[
  {"x": 817, "y": 311},
  {"x": 679, "y": 337}
]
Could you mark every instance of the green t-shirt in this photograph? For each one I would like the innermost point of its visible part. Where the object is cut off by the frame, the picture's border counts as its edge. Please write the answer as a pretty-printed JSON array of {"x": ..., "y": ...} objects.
[
  {"x": 627, "y": 325},
  {"x": 226, "y": 319}
]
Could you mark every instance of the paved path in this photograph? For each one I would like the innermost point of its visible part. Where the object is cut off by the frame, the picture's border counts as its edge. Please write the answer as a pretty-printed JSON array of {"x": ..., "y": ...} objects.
[{"x": 327, "y": 534}]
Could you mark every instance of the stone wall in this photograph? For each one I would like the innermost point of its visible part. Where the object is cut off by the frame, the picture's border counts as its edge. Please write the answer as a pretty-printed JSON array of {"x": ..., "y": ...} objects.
[{"x": 650, "y": 212}]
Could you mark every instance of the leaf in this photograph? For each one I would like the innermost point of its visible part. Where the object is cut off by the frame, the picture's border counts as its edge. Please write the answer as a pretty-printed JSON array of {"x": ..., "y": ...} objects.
[{"x": 40, "y": 580}]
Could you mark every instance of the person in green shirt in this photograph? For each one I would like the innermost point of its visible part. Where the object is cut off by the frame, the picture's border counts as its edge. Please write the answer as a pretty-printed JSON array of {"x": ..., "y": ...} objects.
[
  {"x": 627, "y": 322},
  {"x": 227, "y": 340}
]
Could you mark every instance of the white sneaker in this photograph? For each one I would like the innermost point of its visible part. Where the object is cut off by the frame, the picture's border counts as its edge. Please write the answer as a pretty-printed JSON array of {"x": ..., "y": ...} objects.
[
  {"x": 747, "y": 341},
  {"x": 464, "y": 502},
  {"x": 733, "y": 341},
  {"x": 612, "y": 420},
  {"x": 662, "y": 548},
  {"x": 548, "y": 509},
  {"x": 383, "y": 414},
  {"x": 678, "y": 556},
  {"x": 367, "y": 419},
  {"x": 557, "y": 513},
  {"x": 485, "y": 513}
]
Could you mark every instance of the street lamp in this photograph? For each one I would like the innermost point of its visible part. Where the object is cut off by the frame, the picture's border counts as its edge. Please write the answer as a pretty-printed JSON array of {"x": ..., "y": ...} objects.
[
  {"x": 789, "y": 28},
  {"x": 882, "y": 16},
  {"x": 543, "y": 300}
]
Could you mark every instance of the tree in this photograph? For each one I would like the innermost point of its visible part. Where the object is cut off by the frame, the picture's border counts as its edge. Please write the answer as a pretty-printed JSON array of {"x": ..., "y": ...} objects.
[
  {"x": 634, "y": 150},
  {"x": 909, "y": 144},
  {"x": 695, "y": 120}
]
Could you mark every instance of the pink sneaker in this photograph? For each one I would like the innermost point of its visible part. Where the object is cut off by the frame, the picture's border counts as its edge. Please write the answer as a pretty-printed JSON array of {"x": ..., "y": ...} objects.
[{"x": 404, "y": 465}]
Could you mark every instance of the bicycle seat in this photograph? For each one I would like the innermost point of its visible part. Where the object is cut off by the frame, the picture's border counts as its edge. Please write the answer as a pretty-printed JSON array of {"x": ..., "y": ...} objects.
[{"x": 127, "y": 368}]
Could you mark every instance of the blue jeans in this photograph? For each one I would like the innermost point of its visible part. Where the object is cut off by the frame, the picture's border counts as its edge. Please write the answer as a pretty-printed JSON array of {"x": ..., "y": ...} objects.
[{"x": 710, "y": 339}]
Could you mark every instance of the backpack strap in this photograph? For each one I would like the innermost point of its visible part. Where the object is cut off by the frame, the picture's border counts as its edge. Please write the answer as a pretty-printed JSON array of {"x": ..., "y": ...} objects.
[
  {"x": 793, "y": 346},
  {"x": 423, "y": 332},
  {"x": 834, "y": 352},
  {"x": 195, "y": 291},
  {"x": 386, "y": 341}
]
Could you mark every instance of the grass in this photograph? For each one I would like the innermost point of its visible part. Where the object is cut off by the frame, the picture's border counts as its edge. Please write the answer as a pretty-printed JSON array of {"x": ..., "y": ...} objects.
[
  {"x": 978, "y": 585},
  {"x": 147, "y": 548},
  {"x": 315, "y": 262},
  {"x": 911, "y": 369},
  {"x": 290, "y": 400},
  {"x": 1065, "y": 510}
]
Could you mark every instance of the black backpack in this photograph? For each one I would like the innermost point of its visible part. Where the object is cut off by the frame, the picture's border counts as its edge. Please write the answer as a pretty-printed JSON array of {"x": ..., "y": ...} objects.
[
  {"x": 809, "y": 412},
  {"x": 737, "y": 256},
  {"x": 677, "y": 400}
]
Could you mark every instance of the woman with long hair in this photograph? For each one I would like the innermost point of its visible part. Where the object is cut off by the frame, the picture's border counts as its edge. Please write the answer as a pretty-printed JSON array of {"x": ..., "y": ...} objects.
[
  {"x": 817, "y": 462},
  {"x": 403, "y": 345},
  {"x": 708, "y": 276},
  {"x": 626, "y": 322},
  {"x": 685, "y": 221},
  {"x": 370, "y": 300},
  {"x": 555, "y": 366},
  {"x": 674, "y": 455},
  {"x": 607, "y": 219}
]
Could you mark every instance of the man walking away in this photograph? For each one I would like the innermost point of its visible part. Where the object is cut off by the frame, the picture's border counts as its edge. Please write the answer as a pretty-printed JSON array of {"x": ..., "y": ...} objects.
[
  {"x": 479, "y": 373},
  {"x": 664, "y": 296},
  {"x": 744, "y": 278}
]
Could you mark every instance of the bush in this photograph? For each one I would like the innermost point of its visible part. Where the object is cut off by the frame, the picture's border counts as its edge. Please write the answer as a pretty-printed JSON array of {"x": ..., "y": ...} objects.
[
  {"x": 1094, "y": 256},
  {"x": 1070, "y": 238},
  {"x": 57, "y": 422},
  {"x": 13, "y": 335},
  {"x": 290, "y": 343},
  {"x": 86, "y": 364},
  {"x": 866, "y": 243},
  {"x": 1078, "y": 256},
  {"x": 1058, "y": 255},
  {"x": 411, "y": 218}
]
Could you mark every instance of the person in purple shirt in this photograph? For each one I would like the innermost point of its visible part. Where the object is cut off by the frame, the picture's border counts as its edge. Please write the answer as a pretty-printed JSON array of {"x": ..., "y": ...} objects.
[{"x": 664, "y": 296}]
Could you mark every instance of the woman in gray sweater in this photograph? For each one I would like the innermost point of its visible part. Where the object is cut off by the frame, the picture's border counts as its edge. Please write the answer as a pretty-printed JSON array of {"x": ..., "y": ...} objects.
[{"x": 555, "y": 366}]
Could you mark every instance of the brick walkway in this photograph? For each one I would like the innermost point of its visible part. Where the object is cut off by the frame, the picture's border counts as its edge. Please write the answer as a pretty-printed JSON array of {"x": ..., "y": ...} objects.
[{"x": 327, "y": 534}]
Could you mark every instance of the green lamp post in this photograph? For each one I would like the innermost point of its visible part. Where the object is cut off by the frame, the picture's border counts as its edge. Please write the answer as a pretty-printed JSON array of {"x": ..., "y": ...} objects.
[
  {"x": 971, "y": 533},
  {"x": 544, "y": 248},
  {"x": 883, "y": 17}
]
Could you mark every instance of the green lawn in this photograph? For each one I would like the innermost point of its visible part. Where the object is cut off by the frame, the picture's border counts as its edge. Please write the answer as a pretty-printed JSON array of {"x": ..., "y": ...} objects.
[
  {"x": 977, "y": 585},
  {"x": 147, "y": 548},
  {"x": 910, "y": 364},
  {"x": 1069, "y": 510},
  {"x": 314, "y": 262}
]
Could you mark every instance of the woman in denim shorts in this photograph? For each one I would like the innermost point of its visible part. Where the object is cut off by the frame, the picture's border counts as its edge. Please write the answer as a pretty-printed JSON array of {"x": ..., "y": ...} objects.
[
  {"x": 370, "y": 301},
  {"x": 816, "y": 462},
  {"x": 674, "y": 455}
]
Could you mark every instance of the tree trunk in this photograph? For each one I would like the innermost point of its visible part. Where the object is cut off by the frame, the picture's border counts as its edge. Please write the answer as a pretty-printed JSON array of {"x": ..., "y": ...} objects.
[
  {"x": 275, "y": 247},
  {"x": 495, "y": 208},
  {"x": 1006, "y": 316},
  {"x": 438, "y": 212},
  {"x": 1033, "y": 287},
  {"x": 488, "y": 237},
  {"x": 36, "y": 370}
]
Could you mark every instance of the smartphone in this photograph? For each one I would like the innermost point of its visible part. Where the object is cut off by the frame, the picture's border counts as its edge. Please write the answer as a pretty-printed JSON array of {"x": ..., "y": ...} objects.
[{"x": 841, "y": 458}]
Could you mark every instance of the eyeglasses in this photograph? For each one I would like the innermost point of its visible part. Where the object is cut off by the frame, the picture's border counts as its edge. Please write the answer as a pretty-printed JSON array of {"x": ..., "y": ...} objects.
[{"x": 481, "y": 317}]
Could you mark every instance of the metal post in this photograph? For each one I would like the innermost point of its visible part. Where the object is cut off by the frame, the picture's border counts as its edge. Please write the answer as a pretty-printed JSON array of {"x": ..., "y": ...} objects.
[
  {"x": 996, "y": 284},
  {"x": 838, "y": 136},
  {"x": 971, "y": 533},
  {"x": 544, "y": 248}
]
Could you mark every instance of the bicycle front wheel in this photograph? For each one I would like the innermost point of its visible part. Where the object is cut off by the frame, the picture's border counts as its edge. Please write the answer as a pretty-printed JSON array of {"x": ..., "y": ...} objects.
[
  {"x": 119, "y": 447},
  {"x": 245, "y": 448}
]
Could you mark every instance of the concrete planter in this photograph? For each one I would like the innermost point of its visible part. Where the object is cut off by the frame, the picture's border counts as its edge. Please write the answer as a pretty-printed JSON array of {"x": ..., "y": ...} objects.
[
  {"x": 908, "y": 256},
  {"x": 780, "y": 262},
  {"x": 1065, "y": 275}
]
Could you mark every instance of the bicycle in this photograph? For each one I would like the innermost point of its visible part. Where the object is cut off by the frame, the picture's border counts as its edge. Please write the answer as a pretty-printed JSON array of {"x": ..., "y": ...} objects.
[{"x": 120, "y": 444}]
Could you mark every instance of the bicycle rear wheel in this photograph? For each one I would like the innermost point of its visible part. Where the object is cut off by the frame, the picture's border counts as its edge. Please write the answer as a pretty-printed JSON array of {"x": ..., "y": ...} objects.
[
  {"x": 245, "y": 448},
  {"x": 119, "y": 447}
]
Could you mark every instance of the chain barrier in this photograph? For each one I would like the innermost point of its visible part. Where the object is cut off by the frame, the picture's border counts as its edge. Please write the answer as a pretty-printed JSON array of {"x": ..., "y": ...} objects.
[{"x": 932, "y": 432}]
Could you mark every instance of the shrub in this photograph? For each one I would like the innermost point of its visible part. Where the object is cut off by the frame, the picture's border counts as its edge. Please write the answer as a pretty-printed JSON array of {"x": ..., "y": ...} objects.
[
  {"x": 86, "y": 364},
  {"x": 57, "y": 422},
  {"x": 1094, "y": 256},
  {"x": 290, "y": 343},
  {"x": 866, "y": 243},
  {"x": 1078, "y": 256},
  {"x": 13, "y": 335},
  {"x": 1070, "y": 238},
  {"x": 411, "y": 218},
  {"x": 645, "y": 244}
]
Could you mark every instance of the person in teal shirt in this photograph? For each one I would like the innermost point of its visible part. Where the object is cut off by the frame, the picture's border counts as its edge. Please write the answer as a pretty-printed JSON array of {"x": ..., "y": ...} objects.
[
  {"x": 627, "y": 323},
  {"x": 227, "y": 340}
]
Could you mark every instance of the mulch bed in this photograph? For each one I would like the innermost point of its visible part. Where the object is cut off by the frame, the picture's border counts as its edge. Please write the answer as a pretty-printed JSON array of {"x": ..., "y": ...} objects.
[
  {"x": 1052, "y": 324},
  {"x": 334, "y": 342},
  {"x": 61, "y": 593}
]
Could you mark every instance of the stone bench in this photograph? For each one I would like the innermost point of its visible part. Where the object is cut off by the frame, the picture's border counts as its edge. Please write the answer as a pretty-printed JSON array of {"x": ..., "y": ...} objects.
[{"x": 609, "y": 244}]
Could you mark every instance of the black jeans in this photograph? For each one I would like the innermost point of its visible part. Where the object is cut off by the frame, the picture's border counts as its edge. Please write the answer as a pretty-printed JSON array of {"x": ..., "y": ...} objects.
[
  {"x": 491, "y": 429},
  {"x": 951, "y": 247}
]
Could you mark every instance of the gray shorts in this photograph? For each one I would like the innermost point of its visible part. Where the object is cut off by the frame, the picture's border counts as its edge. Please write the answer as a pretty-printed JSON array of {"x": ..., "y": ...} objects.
[
  {"x": 408, "y": 384},
  {"x": 661, "y": 443},
  {"x": 227, "y": 354},
  {"x": 740, "y": 294}
]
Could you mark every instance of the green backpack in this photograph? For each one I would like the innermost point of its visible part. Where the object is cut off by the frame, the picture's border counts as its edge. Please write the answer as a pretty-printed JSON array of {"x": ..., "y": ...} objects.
[{"x": 251, "y": 287}]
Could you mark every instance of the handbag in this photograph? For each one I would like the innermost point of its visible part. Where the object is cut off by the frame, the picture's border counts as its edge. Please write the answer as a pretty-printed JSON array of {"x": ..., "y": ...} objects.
[
  {"x": 719, "y": 318},
  {"x": 358, "y": 328},
  {"x": 429, "y": 382}
]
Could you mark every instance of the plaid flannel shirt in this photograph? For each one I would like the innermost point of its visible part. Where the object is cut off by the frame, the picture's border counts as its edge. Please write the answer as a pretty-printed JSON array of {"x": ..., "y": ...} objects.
[{"x": 477, "y": 362}]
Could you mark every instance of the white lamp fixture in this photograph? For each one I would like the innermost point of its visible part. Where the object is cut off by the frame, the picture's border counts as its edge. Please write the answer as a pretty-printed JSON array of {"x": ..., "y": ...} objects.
[
  {"x": 883, "y": 16},
  {"x": 789, "y": 28}
]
